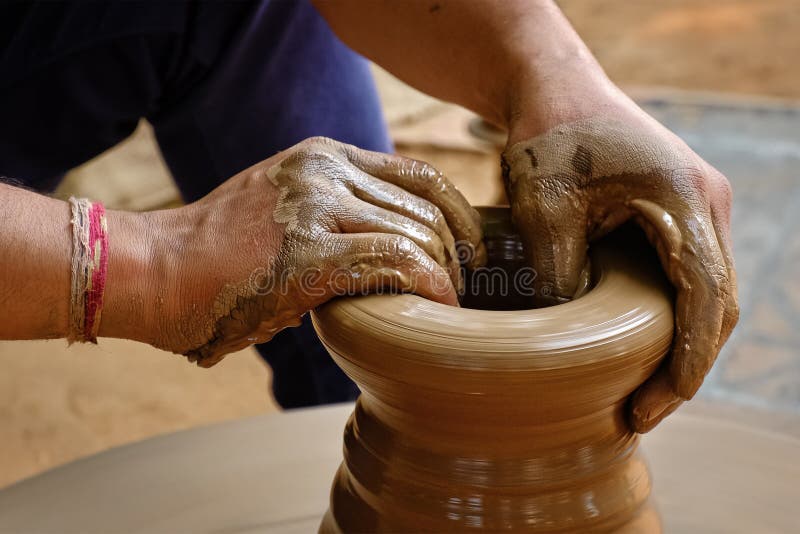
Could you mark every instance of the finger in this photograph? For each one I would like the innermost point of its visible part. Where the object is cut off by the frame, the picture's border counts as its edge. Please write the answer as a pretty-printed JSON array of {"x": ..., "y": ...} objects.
[
  {"x": 554, "y": 239},
  {"x": 722, "y": 196},
  {"x": 422, "y": 180},
  {"x": 584, "y": 280},
  {"x": 691, "y": 257},
  {"x": 367, "y": 262},
  {"x": 366, "y": 218},
  {"x": 393, "y": 198},
  {"x": 653, "y": 401},
  {"x": 731, "y": 310}
]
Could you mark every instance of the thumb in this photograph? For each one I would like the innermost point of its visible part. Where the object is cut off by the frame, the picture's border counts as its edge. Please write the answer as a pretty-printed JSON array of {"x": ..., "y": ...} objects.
[{"x": 555, "y": 243}]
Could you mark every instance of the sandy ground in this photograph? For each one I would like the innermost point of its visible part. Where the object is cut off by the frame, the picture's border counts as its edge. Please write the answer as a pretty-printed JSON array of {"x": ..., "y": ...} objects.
[
  {"x": 57, "y": 404},
  {"x": 742, "y": 46}
]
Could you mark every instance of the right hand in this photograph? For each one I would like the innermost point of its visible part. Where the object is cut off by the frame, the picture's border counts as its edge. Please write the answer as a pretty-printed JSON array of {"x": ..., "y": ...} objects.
[{"x": 316, "y": 221}]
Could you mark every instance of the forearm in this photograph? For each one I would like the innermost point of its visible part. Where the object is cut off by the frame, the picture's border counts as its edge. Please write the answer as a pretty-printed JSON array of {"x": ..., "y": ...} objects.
[
  {"x": 502, "y": 59},
  {"x": 36, "y": 243},
  {"x": 35, "y": 266}
]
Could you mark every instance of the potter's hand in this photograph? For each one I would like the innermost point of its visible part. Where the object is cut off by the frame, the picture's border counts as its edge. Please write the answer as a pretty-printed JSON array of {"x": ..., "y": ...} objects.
[
  {"x": 581, "y": 179},
  {"x": 601, "y": 161},
  {"x": 318, "y": 220}
]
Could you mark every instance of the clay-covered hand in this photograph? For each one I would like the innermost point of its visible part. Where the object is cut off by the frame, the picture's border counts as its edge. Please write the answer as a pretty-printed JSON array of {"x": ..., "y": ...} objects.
[
  {"x": 580, "y": 180},
  {"x": 318, "y": 220}
]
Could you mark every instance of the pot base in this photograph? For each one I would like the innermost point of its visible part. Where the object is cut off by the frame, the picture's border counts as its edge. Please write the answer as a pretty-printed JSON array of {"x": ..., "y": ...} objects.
[{"x": 583, "y": 475}]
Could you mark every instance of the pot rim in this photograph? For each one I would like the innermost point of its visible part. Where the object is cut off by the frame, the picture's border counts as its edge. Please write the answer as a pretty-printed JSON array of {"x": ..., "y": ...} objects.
[{"x": 625, "y": 319}]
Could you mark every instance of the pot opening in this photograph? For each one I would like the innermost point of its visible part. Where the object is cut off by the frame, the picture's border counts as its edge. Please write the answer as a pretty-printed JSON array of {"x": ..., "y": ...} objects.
[{"x": 506, "y": 281}]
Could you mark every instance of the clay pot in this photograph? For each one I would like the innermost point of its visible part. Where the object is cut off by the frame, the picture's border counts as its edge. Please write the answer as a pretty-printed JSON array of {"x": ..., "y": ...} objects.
[{"x": 476, "y": 420}]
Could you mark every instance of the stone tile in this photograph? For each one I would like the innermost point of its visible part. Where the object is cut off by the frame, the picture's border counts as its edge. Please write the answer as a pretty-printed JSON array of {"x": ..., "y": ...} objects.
[
  {"x": 752, "y": 363},
  {"x": 767, "y": 320},
  {"x": 782, "y": 388}
]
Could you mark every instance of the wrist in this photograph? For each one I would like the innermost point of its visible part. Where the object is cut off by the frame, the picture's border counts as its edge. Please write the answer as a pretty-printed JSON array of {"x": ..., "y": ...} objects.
[
  {"x": 553, "y": 77},
  {"x": 133, "y": 307},
  {"x": 556, "y": 93}
]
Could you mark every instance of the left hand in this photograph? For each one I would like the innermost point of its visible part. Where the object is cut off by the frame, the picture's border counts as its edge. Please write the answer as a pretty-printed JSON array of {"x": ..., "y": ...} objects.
[{"x": 586, "y": 175}]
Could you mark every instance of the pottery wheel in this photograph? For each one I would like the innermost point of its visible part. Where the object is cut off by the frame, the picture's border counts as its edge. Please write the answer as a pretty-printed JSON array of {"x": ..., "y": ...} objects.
[{"x": 272, "y": 473}]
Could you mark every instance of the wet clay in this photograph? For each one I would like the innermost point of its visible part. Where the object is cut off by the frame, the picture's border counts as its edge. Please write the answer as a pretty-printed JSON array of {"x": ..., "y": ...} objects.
[
  {"x": 477, "y": 420},
  {"x": 326, "y": 219}
]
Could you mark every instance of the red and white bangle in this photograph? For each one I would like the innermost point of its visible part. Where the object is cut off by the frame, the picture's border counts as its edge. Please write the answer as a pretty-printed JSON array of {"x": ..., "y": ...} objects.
[{"x": 89, "y": 268}]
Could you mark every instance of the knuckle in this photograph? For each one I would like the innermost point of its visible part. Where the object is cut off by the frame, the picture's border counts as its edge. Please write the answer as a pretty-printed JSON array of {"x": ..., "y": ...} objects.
[
  {"x": 403, "y": 249},
  {"x": 723, "y": 192},
  {"x": 430, "y": 177},
  {"x": 322, "y": 157},
  {"x": 318, "y": 145},
  {"x": 315, "y": 158},
  {"x": 438, "y": 246},
  {"x": 724, "y": 185},
  {"x": 404, "y": 246},
  {"x": 438, "y": 220},
  {"x": 717, "y": 280},
  {"x": 425, "y": 170},
  {"x": 436, "y": 180},
  {"x": 689, "y": 181},
  {"x": 732, "y": 311},
  {"x": 317, "y": 140},
  {"x": 433, "y": 215}
]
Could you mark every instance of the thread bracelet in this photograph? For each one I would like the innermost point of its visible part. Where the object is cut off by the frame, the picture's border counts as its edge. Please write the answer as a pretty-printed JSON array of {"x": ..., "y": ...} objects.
[{"x": 89, "y": 269}]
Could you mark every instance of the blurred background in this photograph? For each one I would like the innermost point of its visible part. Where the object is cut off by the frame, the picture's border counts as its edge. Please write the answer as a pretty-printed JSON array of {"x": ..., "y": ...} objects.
[{"x": 721, "y": 73}]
